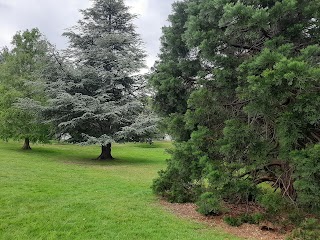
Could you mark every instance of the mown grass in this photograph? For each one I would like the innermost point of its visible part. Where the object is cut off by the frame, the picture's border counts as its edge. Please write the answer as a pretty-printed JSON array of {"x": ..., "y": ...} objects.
[{"x": 60, "y": 192}]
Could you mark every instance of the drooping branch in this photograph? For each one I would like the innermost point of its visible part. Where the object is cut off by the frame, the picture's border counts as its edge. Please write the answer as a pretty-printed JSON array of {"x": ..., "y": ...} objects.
[
  {"x": 265, "y": 179},
  {"x": 264, "y": 168},
  {"x": 284, "y": 181},
  {"x": 236, "y": 103},
  {"x": 245, "y": 47}
]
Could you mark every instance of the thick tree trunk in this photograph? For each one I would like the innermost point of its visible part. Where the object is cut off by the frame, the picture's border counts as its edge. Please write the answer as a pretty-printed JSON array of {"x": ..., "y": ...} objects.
[
  {"x": 283, "y": 180},
  {"x": 286, "y": 182},
  {"x": 26, "y": 145},
  {"x": 105, "y": 152}
]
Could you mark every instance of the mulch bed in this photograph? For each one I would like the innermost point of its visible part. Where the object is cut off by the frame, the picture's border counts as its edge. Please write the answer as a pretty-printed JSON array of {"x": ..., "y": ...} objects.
[{"x": 263, "y": 231}]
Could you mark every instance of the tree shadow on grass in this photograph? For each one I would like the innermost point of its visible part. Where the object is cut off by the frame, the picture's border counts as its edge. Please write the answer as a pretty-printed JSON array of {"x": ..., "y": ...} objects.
[
  {"x": 124, "y": 154},
  {"x": 89, "y": 158}
]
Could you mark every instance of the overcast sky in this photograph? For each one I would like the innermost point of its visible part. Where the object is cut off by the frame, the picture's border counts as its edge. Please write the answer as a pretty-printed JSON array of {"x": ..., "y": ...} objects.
[{"x": 52, "y": 17}]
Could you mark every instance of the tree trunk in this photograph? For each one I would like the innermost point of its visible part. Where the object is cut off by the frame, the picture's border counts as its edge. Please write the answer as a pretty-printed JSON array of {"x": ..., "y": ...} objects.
[
  {"x": 283, "y": 180},
  {"x": 26, "y": 145},
  {"x": 287, "y": 181},
  {"x": 105, "y": 152}
]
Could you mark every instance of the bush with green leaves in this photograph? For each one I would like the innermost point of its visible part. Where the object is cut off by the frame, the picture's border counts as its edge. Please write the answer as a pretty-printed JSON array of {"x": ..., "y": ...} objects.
[
  {"x": 307, "y": 173},
  {"x": 233, "y": 221},
  {"x": 177, "y": 183},
  {"x": 255, "y": 218},
  {"x": 182, "y": 180},
  {"x": 273, "y": 202},
  {"x": 209, "y": 204},
  {"x": 172, "y": 186},
  {"x": 308, "y": 230},
  {"x": 238, "y": 190},
  {"x": 236, "y": 221},
  {"x": 296, "y": 216}
]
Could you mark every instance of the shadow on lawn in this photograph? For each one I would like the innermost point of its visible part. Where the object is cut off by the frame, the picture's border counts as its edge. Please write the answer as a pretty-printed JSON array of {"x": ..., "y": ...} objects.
[
  {"x": 88, "y": 156},
  {"x": 124, "y": 154}
]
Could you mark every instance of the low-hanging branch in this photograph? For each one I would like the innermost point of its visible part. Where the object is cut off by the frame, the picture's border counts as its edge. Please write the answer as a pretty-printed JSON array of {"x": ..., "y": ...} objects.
[
  {"x": 265, "y": 179},
  {"x": 265, "y": 167},
  {"x": 245, "y": 47}
]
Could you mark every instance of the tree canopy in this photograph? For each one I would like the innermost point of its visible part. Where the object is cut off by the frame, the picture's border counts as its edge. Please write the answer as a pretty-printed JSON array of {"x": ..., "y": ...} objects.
[
  {"x": 249, "y": 104},
  {"x": 92, "y": 85},
  {"x": 18, "y": 79}
]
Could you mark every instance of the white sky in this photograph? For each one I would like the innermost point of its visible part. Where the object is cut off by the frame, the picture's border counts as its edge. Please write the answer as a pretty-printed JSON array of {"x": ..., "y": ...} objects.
[{"x": 53, "y": 17}]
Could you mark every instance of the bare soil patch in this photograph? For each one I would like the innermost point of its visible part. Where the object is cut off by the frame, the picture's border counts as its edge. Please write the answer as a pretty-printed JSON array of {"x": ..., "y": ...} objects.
[{"x": 246, "y": 231}]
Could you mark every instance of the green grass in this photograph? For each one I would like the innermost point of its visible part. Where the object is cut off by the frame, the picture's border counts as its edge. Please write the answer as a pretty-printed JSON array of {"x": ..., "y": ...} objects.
[{"x": 60, "y": 192}]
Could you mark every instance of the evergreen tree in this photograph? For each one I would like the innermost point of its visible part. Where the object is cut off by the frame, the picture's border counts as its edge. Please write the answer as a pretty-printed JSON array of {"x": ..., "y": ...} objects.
[
  {"x": 143, "y": 129},
  {"x": 254, "y": 110},
  {"x": 93, "y": 87},
  {"x": 174, "y": 75},
  {"x": 18, "y": 69}
]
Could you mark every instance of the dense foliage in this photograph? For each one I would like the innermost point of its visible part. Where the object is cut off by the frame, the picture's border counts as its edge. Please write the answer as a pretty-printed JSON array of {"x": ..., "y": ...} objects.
[
  {"x": 92, "y": 86},
  {"x": 19, "y": 79},
  {"x": 239, "y": 84}
]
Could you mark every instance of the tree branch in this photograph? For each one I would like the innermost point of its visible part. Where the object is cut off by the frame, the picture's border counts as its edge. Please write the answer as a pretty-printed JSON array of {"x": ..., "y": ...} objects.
[
  {"x": 265, "y": 179},
  {"x": 235, "y": 103},
  {"x": 275, "y": 163},
  {"x": 265, "y": 33},
  {"x": 245, "y": 47}
]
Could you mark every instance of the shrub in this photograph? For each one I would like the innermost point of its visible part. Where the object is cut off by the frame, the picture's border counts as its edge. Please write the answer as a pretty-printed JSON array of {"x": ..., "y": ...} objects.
[
  {"x": 170, "y": 185},
  {"x": 309, "y": 230},
  {"x": 244, "y": 218},
  {"x": 239, "y": 190},
  {"x": 296, "y": 216},
  {"x": 209, "y": 204},
  {"x": 180, "y": 181},
  {"x": 233, "y": 221},
  {"x": 257, "y": 218},
  {"x": 307, "y": 176},
  {"x": 252, "y": 218},
  {"x": 273, "y": 202}
]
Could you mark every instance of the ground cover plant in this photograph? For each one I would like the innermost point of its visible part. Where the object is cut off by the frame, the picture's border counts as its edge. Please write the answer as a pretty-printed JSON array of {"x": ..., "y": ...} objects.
[{"x": 60, "y": 192}]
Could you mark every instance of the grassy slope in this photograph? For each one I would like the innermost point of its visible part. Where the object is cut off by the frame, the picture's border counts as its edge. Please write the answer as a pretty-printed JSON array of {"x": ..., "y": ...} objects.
[{"x": 57, "y": 192}]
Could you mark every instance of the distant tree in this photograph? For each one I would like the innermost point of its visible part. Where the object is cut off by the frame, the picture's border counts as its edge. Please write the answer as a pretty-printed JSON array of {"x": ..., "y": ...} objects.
[
  {"x": 92, "y": 87},
  {"x": 17, "y": 71}
]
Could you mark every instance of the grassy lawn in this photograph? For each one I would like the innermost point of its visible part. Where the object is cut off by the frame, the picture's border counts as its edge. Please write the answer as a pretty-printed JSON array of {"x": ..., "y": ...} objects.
[{"x": 59, "y": 192}]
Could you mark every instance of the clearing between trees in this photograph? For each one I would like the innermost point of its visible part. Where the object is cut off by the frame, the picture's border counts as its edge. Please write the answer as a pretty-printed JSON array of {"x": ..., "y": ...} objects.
[{"x": 60, "y": 192}]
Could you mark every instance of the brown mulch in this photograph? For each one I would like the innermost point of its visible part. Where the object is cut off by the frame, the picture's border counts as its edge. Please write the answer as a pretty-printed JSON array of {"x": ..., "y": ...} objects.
[{"x": 246, "y": 231}]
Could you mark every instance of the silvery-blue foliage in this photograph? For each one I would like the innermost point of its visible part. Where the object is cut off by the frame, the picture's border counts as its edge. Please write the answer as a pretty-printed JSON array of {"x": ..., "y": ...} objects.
[
  {"x": 145, "y": 126},
  {"x": 93, "y": 84}
]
